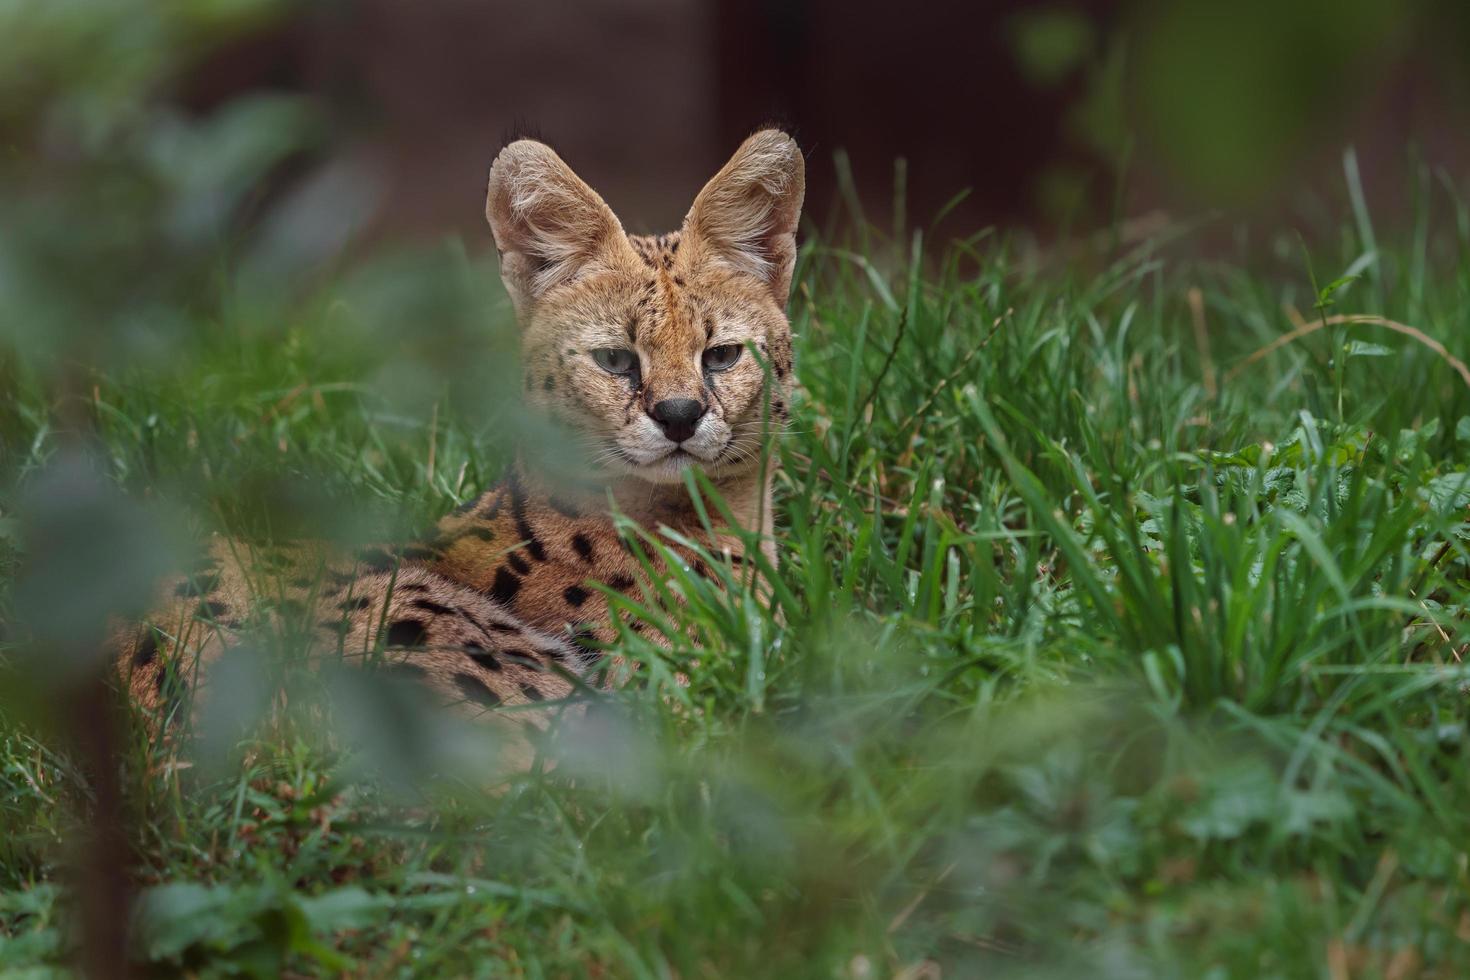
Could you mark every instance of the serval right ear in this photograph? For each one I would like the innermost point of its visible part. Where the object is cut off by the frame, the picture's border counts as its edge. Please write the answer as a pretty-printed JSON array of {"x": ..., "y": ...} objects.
[
  {"x": 746, "y": 216},
  {"x": 549, "y": 226}
]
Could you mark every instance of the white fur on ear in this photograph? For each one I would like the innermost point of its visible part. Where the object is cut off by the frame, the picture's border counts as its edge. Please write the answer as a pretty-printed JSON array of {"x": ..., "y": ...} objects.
[
  {"x": 548, "y": 224},
  {"x": 746, "y": 216}
]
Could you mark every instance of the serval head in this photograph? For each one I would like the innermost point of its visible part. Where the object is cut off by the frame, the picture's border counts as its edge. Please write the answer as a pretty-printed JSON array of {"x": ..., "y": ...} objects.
[{"x": 659, "y": 353}]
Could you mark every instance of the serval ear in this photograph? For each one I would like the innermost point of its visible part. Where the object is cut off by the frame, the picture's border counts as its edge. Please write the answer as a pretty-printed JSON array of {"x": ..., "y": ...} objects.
[
  {"x": 549, "y": 226},
  {"x": 746, "y": 216}
]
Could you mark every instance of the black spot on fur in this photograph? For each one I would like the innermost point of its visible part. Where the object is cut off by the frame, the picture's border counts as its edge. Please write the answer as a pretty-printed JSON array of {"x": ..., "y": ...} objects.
[
  {"x": 523, "y": 657},
  {"x": 146, "y": 649},
  {"x": 530, "y": 691},
  {"x": 470, "y": 618},
  {"x": 701, "y": 569},
  {"x": 430, "y": 606},
  {"x": 505, "y": 586},
  {"x": 575, "y": 595},
  {"x": 483, "y": 533},
  {"x": 518, "y": 563},
  {"x": 524, "y": 530},
  {"x": 481, "y": 656},
  {"x": 548, "y": 383},
  {"x": 196, "y": 587},
  {"x": 211, "y": 610},
  {"x": 274, "y": 560},
  {"x": 407, "y": 633},
  {"x": 355, "y": 605},
  {"x": 503, "y": 628},
  {"x": 475, "y": 690},
  {"x": 419, "y": 553},
  {"x": 620, "y": 583},
  {"x": 376, "y": 559},
  {"x": 582, "y": 545},
  {"x": 465, "y": 507},
  {"x": 533, "y": 546}
]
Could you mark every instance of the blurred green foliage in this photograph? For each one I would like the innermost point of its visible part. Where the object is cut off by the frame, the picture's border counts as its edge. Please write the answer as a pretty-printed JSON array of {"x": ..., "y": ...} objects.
[
  {"x": 1233, "y": 94},
  {"x": 115, "y": 204},
  {"x": 1051, "y": 42},
  {"x": 1225, "y": 102}
]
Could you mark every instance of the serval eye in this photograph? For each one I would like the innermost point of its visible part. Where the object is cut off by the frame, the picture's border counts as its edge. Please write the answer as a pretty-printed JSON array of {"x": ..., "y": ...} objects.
[
  {"x": 722, "y": 358},
  {"x": 616, "y": 360}
]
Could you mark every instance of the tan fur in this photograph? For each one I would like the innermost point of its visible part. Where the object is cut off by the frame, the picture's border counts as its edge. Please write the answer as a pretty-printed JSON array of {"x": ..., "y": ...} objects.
[{"x": 493, "y": 608}]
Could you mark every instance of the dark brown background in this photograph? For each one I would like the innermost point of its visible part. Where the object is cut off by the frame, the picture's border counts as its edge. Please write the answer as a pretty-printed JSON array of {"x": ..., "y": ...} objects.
[{"x": 645, "y": 98}]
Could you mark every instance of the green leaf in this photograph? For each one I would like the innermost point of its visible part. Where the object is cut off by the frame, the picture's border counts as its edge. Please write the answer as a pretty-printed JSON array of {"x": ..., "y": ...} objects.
[
  {"x": 172, "y": 918},
  {"x": 1448, "y": 493},
  {"x": 1326, "y": 293},
  {"x": 342, "y": 908},
  {"x": 1235, "y": 798}
]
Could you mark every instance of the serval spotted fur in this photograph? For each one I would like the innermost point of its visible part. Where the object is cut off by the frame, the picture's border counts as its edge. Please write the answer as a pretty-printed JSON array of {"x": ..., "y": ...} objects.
[{"x": 653, "y": 354}]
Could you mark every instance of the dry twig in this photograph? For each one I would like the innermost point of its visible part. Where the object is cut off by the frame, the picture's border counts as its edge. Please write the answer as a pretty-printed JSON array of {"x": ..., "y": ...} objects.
[{"x": 1303, "y": 328}]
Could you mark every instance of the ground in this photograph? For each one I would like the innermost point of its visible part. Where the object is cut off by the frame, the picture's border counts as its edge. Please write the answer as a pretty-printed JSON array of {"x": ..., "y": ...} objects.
[{"x": 1103, "y": 642}]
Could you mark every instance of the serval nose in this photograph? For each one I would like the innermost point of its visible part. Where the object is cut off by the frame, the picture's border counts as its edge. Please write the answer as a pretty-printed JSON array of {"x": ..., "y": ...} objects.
[{"x": 678, "y": 417}]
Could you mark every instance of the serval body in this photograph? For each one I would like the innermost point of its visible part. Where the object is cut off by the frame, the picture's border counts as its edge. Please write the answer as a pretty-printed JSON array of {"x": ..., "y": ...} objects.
[{"x": 654, "y": 354}]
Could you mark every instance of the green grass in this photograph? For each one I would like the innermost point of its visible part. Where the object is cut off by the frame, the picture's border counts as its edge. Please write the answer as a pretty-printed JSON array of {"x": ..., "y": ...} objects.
[{"x": 1090, "y": 655}]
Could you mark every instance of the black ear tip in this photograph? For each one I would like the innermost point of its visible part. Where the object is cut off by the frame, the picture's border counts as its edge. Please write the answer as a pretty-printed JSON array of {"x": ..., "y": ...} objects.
[
  {"x": 779, "y": 124},
  {"x": 520, "y": 128},
  {"x": 513, "y": 156}
]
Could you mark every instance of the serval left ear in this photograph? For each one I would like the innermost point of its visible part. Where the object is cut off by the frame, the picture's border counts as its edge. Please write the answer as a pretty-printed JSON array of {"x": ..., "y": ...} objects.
[
  {"x": 549, "y": 226},
  {"x": 746, "y": 216}
]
